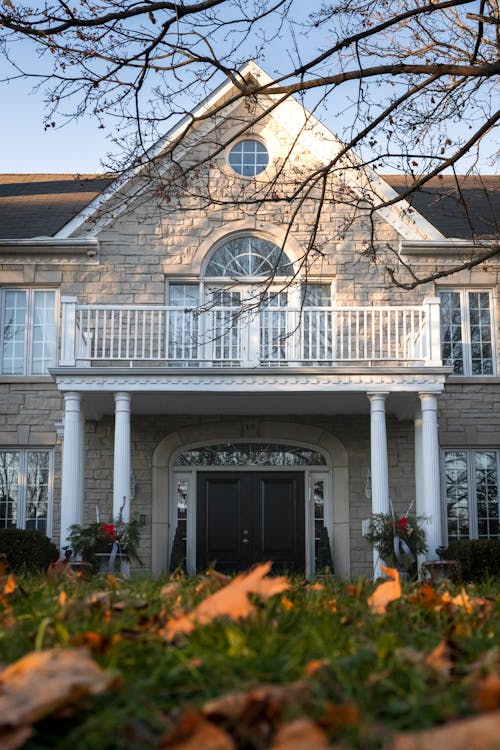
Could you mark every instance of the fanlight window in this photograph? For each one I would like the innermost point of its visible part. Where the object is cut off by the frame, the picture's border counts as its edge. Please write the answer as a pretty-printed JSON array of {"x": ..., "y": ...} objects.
[
  {"x": 250, "y": 454},
  {"x": 249, "y": 256}
]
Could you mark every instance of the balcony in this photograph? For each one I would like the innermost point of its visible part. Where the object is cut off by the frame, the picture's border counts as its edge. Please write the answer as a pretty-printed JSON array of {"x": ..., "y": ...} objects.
[{"x": 129, "y": 336}]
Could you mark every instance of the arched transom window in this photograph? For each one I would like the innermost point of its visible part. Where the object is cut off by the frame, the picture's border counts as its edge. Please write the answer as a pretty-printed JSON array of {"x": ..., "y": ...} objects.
[{"x": 248, "y": 256}]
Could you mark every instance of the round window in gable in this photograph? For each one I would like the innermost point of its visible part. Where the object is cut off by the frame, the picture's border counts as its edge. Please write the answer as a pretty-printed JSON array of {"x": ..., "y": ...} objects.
[{"x": 248, "y": 158}]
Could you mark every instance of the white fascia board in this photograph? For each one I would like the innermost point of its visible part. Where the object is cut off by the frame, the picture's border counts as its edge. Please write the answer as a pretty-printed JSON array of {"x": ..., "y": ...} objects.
[
  {"x": 50, "y": 246},
  {"x": 310, "y": 133},
  {"x": 448, "y": 246}
]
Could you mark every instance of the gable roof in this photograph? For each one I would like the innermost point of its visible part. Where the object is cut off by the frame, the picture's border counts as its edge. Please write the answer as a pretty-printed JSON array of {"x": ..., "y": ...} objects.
[{"x": 38, "y": 205}]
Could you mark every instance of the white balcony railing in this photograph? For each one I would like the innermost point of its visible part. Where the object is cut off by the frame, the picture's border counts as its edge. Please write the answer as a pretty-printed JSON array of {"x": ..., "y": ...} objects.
[{"x": 100, "y": 335}]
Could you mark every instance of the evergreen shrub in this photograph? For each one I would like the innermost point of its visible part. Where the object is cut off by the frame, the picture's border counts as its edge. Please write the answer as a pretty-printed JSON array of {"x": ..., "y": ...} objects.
[
  {"x": 27, "y": 550},
  {"x": 478, "y": 558}
]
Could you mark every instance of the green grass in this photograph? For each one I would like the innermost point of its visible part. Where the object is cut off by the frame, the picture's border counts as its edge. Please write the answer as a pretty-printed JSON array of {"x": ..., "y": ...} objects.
[{"x": 374, "y": 661}]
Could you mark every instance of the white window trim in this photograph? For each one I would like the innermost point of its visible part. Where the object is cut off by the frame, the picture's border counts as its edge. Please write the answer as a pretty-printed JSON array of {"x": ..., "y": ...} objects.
[
  {"x": 463, "y": 291},
  {"x": 22, "y": 482},
  {"x": 248, "y": 137},
  {"x": 28, "y": 337}
]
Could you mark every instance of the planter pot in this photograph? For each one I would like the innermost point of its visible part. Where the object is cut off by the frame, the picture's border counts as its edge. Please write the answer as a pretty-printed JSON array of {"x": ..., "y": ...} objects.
[{"x": 120, "y": 564}]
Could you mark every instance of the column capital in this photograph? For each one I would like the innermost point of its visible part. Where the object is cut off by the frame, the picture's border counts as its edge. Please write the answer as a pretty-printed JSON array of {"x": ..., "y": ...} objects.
[
  {"x": 122, "y": 397},
  {"x": 428, "y": 401},
  {"x": 74, "y": 397},
  {"x": 377, "y": 400}
]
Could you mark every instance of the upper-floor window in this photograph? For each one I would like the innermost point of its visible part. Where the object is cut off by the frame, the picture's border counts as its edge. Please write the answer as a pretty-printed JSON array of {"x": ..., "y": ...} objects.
[
  {"x": 27, "y": 331},
  {"x": 25, "y": 488},
  {"x": 471, "y": 493},
  {"x": 248, "y": 158},
  {"x": 248, "y": 255},
  {"x": 466, "y": 331}
]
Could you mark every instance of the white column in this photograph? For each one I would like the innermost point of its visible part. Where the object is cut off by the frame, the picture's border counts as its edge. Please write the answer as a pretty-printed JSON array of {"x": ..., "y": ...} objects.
[
  {"x": 379, "y": 462},
  {"x": 431, "y": 495},
  {"x": 433, "y": 357},
  {"x": 121, "y": 470},
  {"x": 71, "y": 480},
  {"x": 419, "y": 472}
]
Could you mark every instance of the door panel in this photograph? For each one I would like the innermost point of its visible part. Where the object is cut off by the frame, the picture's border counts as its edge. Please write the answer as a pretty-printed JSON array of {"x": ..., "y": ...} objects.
[{"x": 249, "y": 517}]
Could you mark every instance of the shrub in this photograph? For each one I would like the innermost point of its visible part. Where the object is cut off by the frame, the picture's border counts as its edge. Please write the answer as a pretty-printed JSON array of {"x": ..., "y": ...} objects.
[
  {"x": 28, "y": 550},
  {"x": 478, "y": 558}
]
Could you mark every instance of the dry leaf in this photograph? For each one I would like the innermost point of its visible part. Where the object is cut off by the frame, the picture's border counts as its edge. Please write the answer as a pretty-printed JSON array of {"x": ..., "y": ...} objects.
[
  {"x": 231, "y": 601},
  {"x": 478, "y": 733},
  {"x": 44, "y": 681},
  {"x": 300, "y": 734},
  {"x": 440, "y": 658},
  {"x": 193, "y": 732},
  {"x": 170, "y": 588},
  {"x": 263, "y": 702},
  {"x": 386, "y": 592},
  {"x": 315, "y": 665},
  {"x": 488, "y": 693},
  {"x": 10, "y": 584},
  {"x": 426, "y": 596},
  {"x": 337, "y": 716}
]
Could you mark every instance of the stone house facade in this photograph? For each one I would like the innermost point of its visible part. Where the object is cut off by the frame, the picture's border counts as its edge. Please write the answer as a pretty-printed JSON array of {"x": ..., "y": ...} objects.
[{"x": 176, "y": 356}]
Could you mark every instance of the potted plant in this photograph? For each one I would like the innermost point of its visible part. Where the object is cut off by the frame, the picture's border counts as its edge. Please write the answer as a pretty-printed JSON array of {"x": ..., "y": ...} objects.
[
  {"x": 102, "y": 544},
  {"x": 398, "y": 540}
]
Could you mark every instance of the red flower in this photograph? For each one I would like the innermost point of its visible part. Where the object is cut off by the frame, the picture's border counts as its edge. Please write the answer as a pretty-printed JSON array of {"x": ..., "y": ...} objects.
[
  {"x": 401, "y": 525},
  {"x": 110, "y": 530}
]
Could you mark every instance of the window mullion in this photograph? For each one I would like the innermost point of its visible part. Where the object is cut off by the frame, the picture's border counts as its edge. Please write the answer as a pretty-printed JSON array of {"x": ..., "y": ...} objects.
[
  {"x": 22, "y": 479},
  {"x": 466, "y": 335},
  {"x": 473, "y": 530},
  {"x": 28, "y": 331}
]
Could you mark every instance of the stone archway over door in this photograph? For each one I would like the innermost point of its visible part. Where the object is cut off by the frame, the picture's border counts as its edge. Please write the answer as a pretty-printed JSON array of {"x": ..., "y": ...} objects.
[{"x": 257, "y": 430}]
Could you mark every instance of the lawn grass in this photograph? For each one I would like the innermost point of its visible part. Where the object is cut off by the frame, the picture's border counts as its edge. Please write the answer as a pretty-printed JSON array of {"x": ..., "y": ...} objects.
[{"x": 327, "y": 635}]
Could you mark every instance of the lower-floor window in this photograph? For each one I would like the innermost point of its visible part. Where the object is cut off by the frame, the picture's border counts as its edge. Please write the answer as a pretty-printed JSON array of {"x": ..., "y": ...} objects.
[
  {"x": 471, "y": 493},
  {"x": 25, "y": 488}
]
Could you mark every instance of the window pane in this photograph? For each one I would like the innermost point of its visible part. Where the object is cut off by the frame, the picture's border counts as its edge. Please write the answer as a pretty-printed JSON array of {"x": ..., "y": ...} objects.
[
  {"x": 183, "y": 324},
  {"x": 9, "y": 488},
  {"x": 13, "y": 332},
  {"x": 480, "y": 332},
  {"x": 486, "y": 479},
  {"x": 37, "y": 490},
  {"x": 250, "y": 454},
  {"x": 457, "y": 494},
  {"x": 248, "y": 158},
  {"x": 322, "y": 548},
  {"x": 316, "y": 295},
  {"x": 44, "y": 332},
  {"x": 451, "y": 331},
  {"x": 249, "y": 256},
  {"x": 179, "y": 547}
]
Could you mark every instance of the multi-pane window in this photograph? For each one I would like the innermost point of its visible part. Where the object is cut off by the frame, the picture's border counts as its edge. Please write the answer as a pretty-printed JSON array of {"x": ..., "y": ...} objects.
[
  {"x": 466, "y": 331},
  {"x": 471, "y": 493},
  {"x": 248, "y": 158},
  {"x": 183, "y": 323},
  {"x": 27, "y": 331},
  {"x": 25, "y": 488}
]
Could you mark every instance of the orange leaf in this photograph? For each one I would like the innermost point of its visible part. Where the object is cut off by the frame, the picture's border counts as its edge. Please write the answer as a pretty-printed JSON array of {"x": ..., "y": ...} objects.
[
  {"x": 478, "y": 733},
  {"x": 10, "y": 584},
  {"x": 439, "y": 658},
  {"x": 315, "y": 665},
  {"x": 488, "y": 693},
  {"x": 337, "y": 716},
  {"x": 298, "y": 735},
  {"x": 264, "y": 703},
  {"x": 231, "y": 601},
  {"x": 193, "y": 732},
  {"x": 43, "y": 681},
  {"x": 386, "y": 592}
]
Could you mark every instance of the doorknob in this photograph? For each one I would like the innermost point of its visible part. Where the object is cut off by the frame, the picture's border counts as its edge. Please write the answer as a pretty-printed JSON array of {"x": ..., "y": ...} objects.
[{"x": 245, "y": 541}]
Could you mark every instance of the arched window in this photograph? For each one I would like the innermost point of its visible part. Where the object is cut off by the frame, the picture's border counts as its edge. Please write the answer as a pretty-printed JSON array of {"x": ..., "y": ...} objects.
[{"x": 248, "y": 256}]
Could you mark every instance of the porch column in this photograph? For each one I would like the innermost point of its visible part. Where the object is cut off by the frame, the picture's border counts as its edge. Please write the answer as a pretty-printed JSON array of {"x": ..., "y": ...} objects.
[
  {"x": 379, "y": 463},
  {"x": 419, "y": 472},
  {"x": 71, "y": 479},
  {"x": 121, "y": 468},
  {"x": 431, "y": 495}
]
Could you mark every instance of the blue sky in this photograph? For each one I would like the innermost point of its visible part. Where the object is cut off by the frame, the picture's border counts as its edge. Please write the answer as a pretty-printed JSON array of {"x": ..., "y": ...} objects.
[{"x": 79, "y": 146}]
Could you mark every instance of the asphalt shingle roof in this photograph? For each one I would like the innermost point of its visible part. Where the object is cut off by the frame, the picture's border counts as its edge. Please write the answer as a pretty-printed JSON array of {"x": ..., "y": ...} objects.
[{"x": 38, "y": 205}]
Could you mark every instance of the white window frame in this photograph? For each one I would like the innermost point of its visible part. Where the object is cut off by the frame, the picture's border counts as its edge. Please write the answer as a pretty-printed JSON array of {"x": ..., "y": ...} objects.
[
  {"x": 471, "y": 486},
  {"x": 248, "y": 137},
  {"x": 29, "y": 328},
  {"x": 465, "y": 326},
  {"x": 22, "y": 483}
]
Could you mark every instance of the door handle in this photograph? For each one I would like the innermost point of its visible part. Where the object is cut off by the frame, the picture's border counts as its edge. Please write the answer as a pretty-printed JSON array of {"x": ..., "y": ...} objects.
[{"x": 245, "y": 541}]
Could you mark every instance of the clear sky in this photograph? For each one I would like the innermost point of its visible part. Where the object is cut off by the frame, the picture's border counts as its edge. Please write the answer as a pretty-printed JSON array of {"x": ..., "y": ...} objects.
[{"x": 79, "y": 146}]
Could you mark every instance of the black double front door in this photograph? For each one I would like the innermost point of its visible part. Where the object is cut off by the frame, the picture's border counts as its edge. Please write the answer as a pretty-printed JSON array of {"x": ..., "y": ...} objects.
[{"x": 247, "y": 517}]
